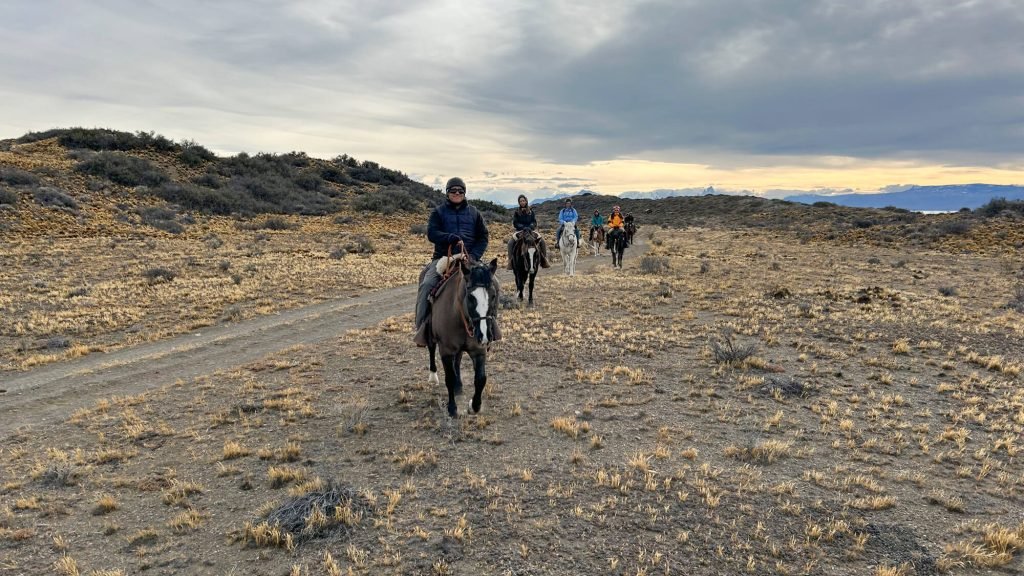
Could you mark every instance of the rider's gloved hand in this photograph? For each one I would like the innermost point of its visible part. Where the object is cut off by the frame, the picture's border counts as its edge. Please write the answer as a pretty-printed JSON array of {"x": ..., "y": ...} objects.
[{"x": 444, "y": 261}]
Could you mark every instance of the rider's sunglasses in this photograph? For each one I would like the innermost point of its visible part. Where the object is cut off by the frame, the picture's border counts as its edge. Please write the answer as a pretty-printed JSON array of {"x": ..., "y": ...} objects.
[{"x": 456, "y": 191}]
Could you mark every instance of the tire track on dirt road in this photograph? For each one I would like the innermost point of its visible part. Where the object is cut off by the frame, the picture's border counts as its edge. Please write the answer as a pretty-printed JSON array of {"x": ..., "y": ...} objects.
[{"x": 51, "y": 393}]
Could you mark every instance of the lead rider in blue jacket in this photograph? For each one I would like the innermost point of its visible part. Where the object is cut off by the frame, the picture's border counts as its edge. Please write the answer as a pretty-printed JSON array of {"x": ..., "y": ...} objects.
[{"x": 451, "y": 222}]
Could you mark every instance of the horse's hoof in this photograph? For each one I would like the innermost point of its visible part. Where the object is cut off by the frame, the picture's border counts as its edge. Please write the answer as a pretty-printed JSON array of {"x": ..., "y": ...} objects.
[
  {"x": 433, "y": 379},
  {"x": 476, "y": 406},
  {"x": 453, "y": 412}
]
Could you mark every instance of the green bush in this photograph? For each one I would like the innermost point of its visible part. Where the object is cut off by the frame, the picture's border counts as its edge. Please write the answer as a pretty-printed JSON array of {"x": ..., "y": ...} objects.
[
  {"x": 335, "y": 174},
  {"x": 203, "y": 200},
  {"x": 193, "y": 154},
  {"x": 8, "y": 197},
  {"x": 16, "y": 177},
  {"x": 308, "y": 181},
  {"x": 654, "y": 264},
  {"x": 387, "y": 201},
  {"x": 997, "y": 206},
  {"x": 54, "y": 198},
  {"x": 158, "y": 275},
  {"x": 122, "y": 169},
  {"x": 953, "y": 228},
  {"x": 103, "y": 139},
  {"x": 161, "y": 218},
  {"x": 208, "y": 180}
]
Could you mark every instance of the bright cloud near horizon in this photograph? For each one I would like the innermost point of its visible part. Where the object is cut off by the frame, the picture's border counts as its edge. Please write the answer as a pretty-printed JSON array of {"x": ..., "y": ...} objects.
[{"x": 545, "y": 97}]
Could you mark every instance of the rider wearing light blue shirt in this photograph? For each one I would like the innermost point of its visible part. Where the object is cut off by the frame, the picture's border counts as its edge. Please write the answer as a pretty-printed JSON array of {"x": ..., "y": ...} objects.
[{"x": 567, "y": 214}]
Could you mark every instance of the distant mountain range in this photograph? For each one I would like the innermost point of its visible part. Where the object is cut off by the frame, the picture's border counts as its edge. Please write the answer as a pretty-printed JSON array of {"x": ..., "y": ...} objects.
[
  {"x": 948, "y": 198},
  {"x": 921, "y": 198}
]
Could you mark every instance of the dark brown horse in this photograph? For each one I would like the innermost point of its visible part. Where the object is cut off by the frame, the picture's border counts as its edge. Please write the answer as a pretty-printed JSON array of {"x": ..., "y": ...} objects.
[
  {"x": 462, "y": 320},
  {"x": 617, "y": 245},
  {"x": 631, "y": 229},
  {"x": 525, "y": 263}
]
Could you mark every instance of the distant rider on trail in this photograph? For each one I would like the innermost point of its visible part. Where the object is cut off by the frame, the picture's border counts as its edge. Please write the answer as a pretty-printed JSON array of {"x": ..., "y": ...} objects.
[
  {"x": 525, "y": 222},
  {"x": 567, "y": 214},
  {"x": 596, "y": 222},
  {"x": 616, "y": 225}
]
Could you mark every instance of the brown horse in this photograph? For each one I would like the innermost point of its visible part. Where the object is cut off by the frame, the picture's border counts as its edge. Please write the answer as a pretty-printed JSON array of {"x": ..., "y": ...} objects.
[
  {"x": 631, "y": 229},
  {"x": 525, "y": 263},
  {"x": 462, "y": 320},
  {"x": 597, "y": 239},
  {"x": 617, "y": 244}
]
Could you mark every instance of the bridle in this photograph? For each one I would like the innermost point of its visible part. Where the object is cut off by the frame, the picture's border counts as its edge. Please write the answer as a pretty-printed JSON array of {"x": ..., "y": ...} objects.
[{"x": 467, "y": 319}]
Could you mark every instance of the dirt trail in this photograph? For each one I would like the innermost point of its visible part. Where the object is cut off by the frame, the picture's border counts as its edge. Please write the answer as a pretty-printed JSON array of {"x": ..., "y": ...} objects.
[{"x": 53, "y": 392}]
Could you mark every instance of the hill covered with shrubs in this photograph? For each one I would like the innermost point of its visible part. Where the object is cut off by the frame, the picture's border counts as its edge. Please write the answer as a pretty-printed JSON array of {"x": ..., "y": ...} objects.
[{"x": 65, "y": 168}]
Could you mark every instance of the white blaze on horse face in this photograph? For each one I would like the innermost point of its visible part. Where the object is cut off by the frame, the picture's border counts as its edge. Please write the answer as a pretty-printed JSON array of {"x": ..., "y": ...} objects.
[
  {"x": 480, "y": 295},
  {"x": 531, "y": 251}
]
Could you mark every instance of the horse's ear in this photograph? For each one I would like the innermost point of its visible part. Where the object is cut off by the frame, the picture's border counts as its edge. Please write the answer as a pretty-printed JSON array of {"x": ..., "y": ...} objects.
[{"x": 493, "y": 266}]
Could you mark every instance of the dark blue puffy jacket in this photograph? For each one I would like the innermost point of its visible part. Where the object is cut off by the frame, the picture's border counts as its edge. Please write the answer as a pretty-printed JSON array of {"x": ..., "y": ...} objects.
[{"x": 451, "y": 222}]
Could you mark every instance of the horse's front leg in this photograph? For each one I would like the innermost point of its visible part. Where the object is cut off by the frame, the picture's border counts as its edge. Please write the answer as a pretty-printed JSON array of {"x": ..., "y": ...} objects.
[
  {"x": 532, "y": 278},
  {"x": 479, "y": 379},
  {"x": 432, "y": 379},
  {"x": 451, "y": 377}
]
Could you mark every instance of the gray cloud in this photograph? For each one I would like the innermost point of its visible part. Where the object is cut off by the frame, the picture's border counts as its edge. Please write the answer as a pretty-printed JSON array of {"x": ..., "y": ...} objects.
[
  {"x": 424, "y": 85},
  {"x": 861, "y": 79}
]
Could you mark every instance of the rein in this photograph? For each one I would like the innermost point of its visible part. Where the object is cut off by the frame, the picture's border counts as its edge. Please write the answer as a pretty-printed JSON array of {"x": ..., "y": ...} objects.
[
  {"x": 461, "y": 308},
  {"x": 490, "y": 317}
]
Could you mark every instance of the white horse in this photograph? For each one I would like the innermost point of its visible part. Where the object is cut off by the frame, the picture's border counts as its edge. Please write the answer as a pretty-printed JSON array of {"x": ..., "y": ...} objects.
[{"x": 569, "y": 246}]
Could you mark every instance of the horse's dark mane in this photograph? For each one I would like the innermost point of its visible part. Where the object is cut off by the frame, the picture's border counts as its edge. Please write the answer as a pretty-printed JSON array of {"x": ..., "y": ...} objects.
[{"x": 480, "y": 275}]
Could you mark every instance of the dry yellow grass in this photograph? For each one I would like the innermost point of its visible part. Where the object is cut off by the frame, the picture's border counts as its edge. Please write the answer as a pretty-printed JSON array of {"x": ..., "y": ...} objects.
[{"x": 845, "y": 438}]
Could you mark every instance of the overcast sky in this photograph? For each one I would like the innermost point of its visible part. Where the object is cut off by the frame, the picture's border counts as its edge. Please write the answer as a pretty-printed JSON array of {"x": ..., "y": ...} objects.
[{"x": 546, "y": 97}]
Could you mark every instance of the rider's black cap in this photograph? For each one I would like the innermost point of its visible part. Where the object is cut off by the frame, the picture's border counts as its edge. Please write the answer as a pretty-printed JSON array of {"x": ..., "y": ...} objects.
[{"x": 452, "y": 182}]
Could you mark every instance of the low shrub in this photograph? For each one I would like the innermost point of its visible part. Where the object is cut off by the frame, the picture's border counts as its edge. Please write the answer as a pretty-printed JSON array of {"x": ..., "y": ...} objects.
[
  {"x": 997, "y": 206},
  {"x": 8, "y": 197},
  {"x": 335, "y": 174},
  {"x": 357, "y": 244},
  {"x": 202, "y": 200},
  {"x": 276, "y": 223},
  {"x": 158, "y": 275},
  {"x": 953, "y": 228},
  {"x": 727, "y": 351},
  {"x": 54, "y": 198},
  {"x": 309, "y": 181},
  {"x": 192, "y": 154},
  {"x": 387, "y": 201},
  {"x": 122, "y": 169},
  {"x": 161, "y": 218},
  {"x": 17, "y": 177},
  {"x": 208, "y": 180},
  {"x": 103, "y": 139},
  {"x": 653, "y": 264}
]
